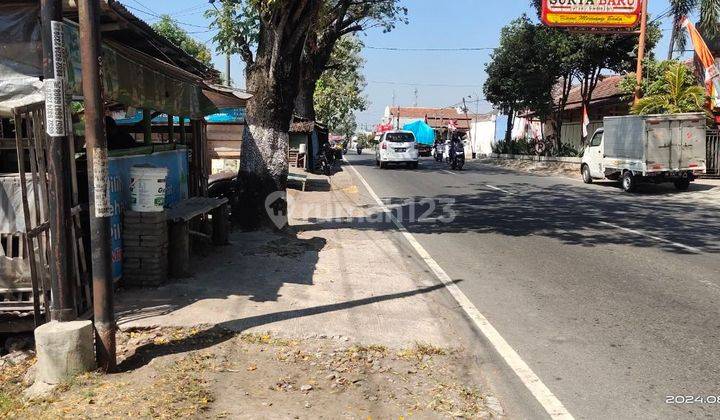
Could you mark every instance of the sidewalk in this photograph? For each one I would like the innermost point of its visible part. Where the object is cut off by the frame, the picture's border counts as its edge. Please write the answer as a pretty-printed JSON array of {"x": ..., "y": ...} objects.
[{"x": 335, "y": 320}]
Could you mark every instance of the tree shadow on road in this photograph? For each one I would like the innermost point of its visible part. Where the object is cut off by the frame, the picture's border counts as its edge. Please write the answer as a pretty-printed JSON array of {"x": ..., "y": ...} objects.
[{"x": 574, "y": 216}]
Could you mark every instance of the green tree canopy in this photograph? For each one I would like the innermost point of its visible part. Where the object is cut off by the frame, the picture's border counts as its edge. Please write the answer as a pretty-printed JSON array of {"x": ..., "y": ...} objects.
[
  {"x": 523, "y": 70},
  {"x": 168, "y": 28},
  {"x": 338, "y": 94},
  {"x": 673, "y": 90}
]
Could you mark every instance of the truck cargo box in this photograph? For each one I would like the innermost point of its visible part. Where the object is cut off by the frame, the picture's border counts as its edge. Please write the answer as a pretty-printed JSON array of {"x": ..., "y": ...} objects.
[{"x": 655, "y": 143}]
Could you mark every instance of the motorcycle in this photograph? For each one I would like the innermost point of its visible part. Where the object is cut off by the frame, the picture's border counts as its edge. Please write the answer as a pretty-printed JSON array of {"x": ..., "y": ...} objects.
[
  {"x": 438, "y": 152},
  {"x": 328, "y": 160},
  {"x": 359, "y": 150},
  {"x": 457, "y": 155}
]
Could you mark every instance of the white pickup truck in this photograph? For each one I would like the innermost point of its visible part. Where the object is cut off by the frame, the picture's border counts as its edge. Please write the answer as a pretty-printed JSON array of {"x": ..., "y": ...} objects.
[{"x": 648, "y": 148}]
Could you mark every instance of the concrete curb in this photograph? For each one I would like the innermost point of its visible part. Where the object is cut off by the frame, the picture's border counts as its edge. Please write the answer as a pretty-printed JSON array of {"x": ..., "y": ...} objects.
[{"x": 570, "y": 160}]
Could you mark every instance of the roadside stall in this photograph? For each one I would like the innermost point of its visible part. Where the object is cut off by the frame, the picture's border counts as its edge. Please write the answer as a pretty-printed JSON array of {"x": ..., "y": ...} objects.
[{"x": 143, "y": 74}]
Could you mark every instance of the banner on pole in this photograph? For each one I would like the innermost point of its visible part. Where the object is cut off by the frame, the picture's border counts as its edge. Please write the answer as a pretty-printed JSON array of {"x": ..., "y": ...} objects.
[
  {"x": 55, "y": 111},
  {"x": 592, "y": 13}
]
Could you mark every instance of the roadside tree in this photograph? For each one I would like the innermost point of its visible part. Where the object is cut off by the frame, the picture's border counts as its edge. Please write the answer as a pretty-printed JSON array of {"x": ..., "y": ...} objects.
[
  {"x": 709, "y": 11},
  {"x": 522, "y": 71},
  {"x": 168, "y": 28},
  {"x": 336, "y": 20},
  {"x": 276, "y": 30},
  {"x": 674, "y": 91},
  {"x": 338, "y": 93}
]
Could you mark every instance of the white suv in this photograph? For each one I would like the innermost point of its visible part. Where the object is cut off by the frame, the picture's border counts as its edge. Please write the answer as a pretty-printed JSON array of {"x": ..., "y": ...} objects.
[{"x": 397, "y": 147}]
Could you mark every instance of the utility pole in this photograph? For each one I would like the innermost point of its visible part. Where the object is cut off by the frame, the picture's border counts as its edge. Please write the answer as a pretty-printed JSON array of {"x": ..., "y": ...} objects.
[
  {"x": 641, "y": 51},
  {"x": 472, "y": 127},
  {"x": 100, "y": 208},
  {"x": 58, "y": 165},
  {"x": 227, "y": 70},
  {"x": 416, "y": 96}
]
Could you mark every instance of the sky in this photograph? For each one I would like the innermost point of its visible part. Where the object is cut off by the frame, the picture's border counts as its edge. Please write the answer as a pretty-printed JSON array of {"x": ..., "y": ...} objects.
[{"x": 441, "y": 78}]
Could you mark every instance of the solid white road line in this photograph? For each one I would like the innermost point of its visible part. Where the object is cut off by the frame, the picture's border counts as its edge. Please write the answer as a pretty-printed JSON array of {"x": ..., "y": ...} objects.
[
  {"x": 637, "y": 232},
  {"x": 498, "y": 189},
  {"x": 448, "y": 172},
  {"x": 532, "y": 382}
]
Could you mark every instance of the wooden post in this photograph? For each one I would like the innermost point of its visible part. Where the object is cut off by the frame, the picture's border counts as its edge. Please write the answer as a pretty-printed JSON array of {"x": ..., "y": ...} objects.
[
  {"x": 183, "y": 140},
  {"x": 179, "y": 249},
  {"x": 171, "y": 129},
  {"x": 100, "y": 208},
  {"x": 58, "y": 172},
  {"x": 219, "y": 225},
  {"x": 641, "y": 51}
]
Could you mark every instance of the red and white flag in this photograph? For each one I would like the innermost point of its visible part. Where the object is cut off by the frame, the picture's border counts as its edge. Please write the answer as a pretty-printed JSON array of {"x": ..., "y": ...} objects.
[{"x": 585, "y": 122}]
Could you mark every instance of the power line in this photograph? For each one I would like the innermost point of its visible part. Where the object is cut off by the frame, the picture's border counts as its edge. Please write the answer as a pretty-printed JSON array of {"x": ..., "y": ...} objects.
[
  {"x": 428, "y": 49},
  {"x": 155, "y": 15},
  {"x": 380, "y": 82}
]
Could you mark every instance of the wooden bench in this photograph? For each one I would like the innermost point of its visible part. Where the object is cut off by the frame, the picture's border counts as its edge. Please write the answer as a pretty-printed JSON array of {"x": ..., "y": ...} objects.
[
  {"x": 179, "y": 217},
  {"x": 302, "y": 179}
]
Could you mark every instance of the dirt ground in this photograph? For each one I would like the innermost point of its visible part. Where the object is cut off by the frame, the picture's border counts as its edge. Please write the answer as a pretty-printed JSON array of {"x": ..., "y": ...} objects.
[{"x": 208, "y": 373}]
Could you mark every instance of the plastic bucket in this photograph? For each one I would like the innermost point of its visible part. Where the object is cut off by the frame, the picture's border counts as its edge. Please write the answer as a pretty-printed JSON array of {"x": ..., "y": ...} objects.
[{"x": 147, "y": 188}]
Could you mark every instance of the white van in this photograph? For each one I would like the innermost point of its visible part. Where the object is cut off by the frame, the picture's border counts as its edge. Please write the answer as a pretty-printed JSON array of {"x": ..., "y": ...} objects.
[
  {"x": 649, "y": 148},
  {"x": 397, "y": 147}
]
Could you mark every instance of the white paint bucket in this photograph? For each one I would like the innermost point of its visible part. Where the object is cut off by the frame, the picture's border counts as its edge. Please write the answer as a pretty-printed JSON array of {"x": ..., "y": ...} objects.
[{"x": 147, "y": 188}]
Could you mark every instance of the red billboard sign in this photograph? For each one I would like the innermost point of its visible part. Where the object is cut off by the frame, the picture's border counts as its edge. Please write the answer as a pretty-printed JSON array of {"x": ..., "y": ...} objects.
[{"x": 592, "y": 13}]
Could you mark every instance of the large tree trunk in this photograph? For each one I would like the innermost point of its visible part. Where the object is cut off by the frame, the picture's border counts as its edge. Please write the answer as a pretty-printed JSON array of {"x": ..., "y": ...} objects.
[
  {"x": 315, "y": 58},
  {"x": 305, "y": 101},
  {"x": 273, "y": 77},
  {"x": 509, "y": 126}
]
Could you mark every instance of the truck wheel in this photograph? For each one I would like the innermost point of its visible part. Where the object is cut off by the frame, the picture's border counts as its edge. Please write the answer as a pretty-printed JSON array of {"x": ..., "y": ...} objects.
[
  {"x": 629, "y": 182},
  {"x": 682, "y": 184},
  {"x": 587, "y": 178}
]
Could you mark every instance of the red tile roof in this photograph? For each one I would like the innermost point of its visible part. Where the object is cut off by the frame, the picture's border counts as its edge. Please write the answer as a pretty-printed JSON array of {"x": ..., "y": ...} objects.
[
  {"x": 418, "y": 112},
  {"x": 607, "y": 89}
]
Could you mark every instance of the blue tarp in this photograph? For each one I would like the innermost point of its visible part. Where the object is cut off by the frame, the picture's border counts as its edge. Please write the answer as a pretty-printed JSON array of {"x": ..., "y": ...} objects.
[
  {"x": 424, "y": 134},
  {"x": 226, "y": 115}
]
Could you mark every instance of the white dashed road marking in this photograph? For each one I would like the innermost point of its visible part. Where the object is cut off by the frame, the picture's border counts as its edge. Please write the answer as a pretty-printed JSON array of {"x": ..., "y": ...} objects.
[
  {"x": 498, "y": 189},
  {"x": 637, "y": 232}
]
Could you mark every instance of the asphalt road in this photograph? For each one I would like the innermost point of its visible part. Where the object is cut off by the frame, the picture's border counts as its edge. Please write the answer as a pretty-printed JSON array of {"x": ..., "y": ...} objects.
[{"x": 612, "y": 299}]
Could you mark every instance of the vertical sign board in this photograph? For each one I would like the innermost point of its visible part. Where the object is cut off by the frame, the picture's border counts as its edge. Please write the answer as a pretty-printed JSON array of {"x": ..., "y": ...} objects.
[
  {"x": 592, "y": 13},
  {"x": 55, "y": 105},
  {"x": 58, "y": 50},
  {"x": 55, "y": 114}
]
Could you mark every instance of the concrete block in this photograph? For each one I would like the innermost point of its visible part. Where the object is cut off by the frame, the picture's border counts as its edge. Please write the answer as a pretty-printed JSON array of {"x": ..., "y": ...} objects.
[{"x": 64, "y": 349}]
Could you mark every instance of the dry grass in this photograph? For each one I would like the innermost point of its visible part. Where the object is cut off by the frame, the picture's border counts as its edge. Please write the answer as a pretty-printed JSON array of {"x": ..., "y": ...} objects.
[
  {"x": 12, "y": 381},
  {"x": 420, "y": 351}
]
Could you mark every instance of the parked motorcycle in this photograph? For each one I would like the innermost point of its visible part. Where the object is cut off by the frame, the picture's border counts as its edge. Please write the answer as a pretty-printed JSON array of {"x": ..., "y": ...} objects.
[
  {"x": 328, "y": 159},
  {"x": 457, "y": 155},
  {"x": 438, "y": 152},
  {"x": 359, "y": 150}
]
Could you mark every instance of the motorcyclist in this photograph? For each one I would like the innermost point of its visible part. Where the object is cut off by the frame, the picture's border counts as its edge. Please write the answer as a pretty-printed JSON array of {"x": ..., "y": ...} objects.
[{"x": 456, "y": 145}]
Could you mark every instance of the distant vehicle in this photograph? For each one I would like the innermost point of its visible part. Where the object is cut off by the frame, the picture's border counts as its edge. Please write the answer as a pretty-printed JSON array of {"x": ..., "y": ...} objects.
[
  {"x": 456, "y": 155},
  {"x": 424, "y": 136},
  {"x": 651, "y": 148},
  {"x": 397, "y": 147},
  {"x": 438, "y": 151}
]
